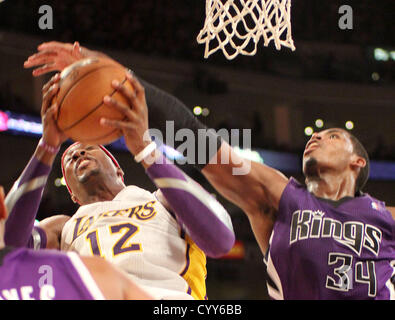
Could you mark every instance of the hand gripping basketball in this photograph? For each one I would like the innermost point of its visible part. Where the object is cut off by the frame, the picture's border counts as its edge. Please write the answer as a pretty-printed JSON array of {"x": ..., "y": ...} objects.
[{"x": 135, "y": 125}]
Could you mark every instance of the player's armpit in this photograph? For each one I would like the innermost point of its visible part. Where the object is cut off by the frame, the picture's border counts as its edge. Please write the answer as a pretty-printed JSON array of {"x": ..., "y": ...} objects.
[
  {"x": 250, "y": 185},
  {"x": 53, "y": 227},
  {"x": 262, "y": 227},
  {"x": 113, "y": 283}
]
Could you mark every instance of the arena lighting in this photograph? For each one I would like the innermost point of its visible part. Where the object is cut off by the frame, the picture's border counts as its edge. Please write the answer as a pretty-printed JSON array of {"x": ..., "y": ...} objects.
[
  {"x": 59, "y": 182},
  {"x": 249, "y": 154},
  {"x": 25, "y": 126},
  {"x": 20, "y": 123},
  {"x": 375, "y": 76},
  {"x": 197, "y": 110},
  {"x": 308, "y": 131},
  {"x": 319, "y": 123},
  {"x": 381, "y": 54},
  {"x": 170, "y": 152},
  {"x": 3, "y": 121},
  {"x": 349, "y": 125},
  {"x": 205, "y": 112}
]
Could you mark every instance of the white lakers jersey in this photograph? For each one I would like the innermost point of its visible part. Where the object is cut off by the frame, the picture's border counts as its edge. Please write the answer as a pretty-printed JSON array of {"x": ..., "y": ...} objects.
[{"x": 138, "y": 234}]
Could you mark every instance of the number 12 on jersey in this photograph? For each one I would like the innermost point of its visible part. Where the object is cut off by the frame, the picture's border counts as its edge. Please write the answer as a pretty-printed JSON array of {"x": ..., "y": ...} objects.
[{"x": 127, "y": 230}]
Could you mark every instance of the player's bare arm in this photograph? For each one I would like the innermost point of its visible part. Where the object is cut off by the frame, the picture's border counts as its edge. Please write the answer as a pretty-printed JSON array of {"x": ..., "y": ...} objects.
[
  {"x": 392, "y": 210},
  {"x": 53, "y": 227},
  {"x": 121, "y": 287},
  {"x": 257, "y": 192}
]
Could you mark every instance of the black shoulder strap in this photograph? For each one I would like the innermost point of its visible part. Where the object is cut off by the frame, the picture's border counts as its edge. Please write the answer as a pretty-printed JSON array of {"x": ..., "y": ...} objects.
[
  {"x": 337, "y": 203},
  {"x": 4, "y": 252}
]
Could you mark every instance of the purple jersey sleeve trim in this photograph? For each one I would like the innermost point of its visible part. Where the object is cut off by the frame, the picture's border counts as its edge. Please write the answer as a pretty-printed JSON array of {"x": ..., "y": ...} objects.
[
  {"x": 38, "y": 239},
  {"x": 206, "y": 221},
  {"x": 34, "y": 169},
  {"x": 23, "y": 202}
]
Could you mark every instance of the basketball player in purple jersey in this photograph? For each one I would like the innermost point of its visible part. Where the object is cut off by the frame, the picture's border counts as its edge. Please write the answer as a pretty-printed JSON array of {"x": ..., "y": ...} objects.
[
  {"x": 325, "y": 240},
  {"x": 26, "y": 274}
]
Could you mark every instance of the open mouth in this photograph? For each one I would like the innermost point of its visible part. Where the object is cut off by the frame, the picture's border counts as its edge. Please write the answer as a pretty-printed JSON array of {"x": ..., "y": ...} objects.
[{"x": 82, "y": 164}]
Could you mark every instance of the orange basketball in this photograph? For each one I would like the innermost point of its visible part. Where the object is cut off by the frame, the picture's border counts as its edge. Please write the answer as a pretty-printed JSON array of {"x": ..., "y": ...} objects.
[{"x": 80, "y": 99}]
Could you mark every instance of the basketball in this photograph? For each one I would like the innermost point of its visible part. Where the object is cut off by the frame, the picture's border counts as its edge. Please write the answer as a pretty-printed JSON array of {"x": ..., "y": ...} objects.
[{"x": 80, "y": 99}]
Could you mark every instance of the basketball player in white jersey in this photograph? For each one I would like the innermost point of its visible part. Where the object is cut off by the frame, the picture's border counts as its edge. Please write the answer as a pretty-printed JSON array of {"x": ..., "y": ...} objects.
[{"x": 160, "y": 239}]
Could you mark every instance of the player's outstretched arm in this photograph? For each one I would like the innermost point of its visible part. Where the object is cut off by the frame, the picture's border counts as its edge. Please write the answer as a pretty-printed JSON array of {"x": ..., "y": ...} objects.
[
  {"x": 207, "y": 222},
  {"x": 24, "y": 197},
  {"x": 254, "y": 187}
]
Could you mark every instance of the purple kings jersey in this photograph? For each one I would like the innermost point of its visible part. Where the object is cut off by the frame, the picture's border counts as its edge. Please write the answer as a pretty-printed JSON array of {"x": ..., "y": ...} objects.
[
  {"x": 46, "y": 275},
  {"x": 331, "y": 250}
]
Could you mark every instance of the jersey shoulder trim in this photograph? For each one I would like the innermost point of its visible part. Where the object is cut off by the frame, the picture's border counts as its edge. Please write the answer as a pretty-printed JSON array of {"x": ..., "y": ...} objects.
[{"x": 85, "y": 275}]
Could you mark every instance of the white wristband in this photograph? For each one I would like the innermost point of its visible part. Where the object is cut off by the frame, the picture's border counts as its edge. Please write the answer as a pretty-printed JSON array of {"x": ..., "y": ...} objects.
[
  {"x": 47, "y": 147},
  {"x": 145, "y": 152}
]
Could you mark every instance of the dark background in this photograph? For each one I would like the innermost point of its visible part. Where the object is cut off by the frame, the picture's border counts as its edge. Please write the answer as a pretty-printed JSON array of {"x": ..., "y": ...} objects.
[{"x": 332, "y": 75}]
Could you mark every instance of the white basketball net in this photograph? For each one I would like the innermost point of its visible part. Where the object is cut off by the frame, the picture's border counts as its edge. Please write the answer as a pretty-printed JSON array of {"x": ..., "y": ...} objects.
[{"x": 236, "y": 26}]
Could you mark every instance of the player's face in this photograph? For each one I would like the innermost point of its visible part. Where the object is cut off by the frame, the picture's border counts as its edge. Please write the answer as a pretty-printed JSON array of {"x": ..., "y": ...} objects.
[
  {"x": 84, "y": 162},
  {"x": 329, "y": 148}
]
